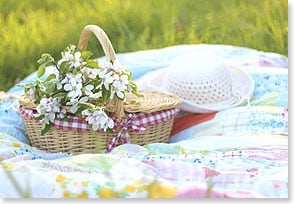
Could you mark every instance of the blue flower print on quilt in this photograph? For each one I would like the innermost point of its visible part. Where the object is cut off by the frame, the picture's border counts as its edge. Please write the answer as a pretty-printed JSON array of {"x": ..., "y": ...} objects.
[
  {"x": 10, "y": 120},
  {"x": 270, "y": 89}
]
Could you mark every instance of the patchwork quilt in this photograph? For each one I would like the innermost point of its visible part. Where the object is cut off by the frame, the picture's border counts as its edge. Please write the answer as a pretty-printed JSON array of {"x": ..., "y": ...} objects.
[{"x": 240, "y": 152}]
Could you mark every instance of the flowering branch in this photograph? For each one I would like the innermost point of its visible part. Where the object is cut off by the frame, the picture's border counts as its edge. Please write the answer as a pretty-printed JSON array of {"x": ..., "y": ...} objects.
[{"x": 81, "y": 86}]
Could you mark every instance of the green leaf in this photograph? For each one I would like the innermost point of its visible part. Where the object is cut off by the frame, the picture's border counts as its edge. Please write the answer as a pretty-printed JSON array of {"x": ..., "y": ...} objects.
[
  {"x": 41, "y": 70},
  {"x": 86, "y": 55},
  {"x": 97, "y": 83},
  {"x": 85, "y": 106},
  {"x": 135, "y": 89},
  {"x": 64, "y": 68},
  {"x": 110, "y": 131},
  {"x": 59, "y": 95},
  {"x": 75, "y": 70},
  {"x": 50, "y": 86},
  {"x": 133, "y": 85},
  {"x": 105, "y": 94},
  {"x": 45, "y": 58},
  {"x": 92, "y": 64},
  {"x": 39, "y": 117},
  {"x": 138, "y": 94},
  {"x": 45, "y": 128},
  {"x": 130, "y": 75},
  {"x": 51, "y": 76},
  {"x": 29, "y": 85}
]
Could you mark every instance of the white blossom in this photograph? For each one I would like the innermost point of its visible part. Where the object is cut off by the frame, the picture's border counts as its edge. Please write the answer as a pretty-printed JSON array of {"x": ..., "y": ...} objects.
[
  {"x": 98, "y": 120},
  {"x": 74, "y": 102},
  {"x": 107, "y": 78},
  {"x": 117, "y": 66},
  {"x": 77, "y": 59},
  {"x": 119, "y": 85},
  {"x": 89, "y": 92},
  {"x": 90, "y": 73},
  {"x": 61, "y": 114},
  {"x": 107, "y": 81},
  {"x": 32, "y": 93},
  {"x": 65, "y": 80},
  {"x": 88, "y": 89},
  {"x": 74, "y": 86},
  {"x": 105, "y": 65},
  {"x": 48, "y": 107},
  {"x": 86, "y": 112},
  {"x": 73, "y": 58}
]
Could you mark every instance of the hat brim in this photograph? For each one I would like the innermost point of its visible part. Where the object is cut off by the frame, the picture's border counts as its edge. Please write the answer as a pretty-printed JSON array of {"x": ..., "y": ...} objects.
[{"x": 157, "y": 81}]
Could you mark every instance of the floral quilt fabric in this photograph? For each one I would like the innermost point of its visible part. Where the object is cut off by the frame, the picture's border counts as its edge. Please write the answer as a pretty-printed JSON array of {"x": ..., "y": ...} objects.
[{"x": 241, "y": 153}]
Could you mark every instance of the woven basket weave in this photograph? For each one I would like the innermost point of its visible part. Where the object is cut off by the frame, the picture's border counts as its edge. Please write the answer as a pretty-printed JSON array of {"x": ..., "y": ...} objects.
[{"x": 76, "y": 142}]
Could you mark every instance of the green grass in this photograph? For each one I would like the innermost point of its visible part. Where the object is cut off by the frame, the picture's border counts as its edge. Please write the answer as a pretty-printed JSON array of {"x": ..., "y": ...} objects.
[{"x": 31, "y": 27}]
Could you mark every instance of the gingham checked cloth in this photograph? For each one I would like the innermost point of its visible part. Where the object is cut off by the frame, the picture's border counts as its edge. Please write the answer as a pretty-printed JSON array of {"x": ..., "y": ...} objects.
[{"x": 135, "y": 121}]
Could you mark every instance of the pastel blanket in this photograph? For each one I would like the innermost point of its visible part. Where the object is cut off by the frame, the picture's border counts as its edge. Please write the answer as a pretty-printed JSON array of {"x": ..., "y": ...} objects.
[{"x": 241, "y": 152}]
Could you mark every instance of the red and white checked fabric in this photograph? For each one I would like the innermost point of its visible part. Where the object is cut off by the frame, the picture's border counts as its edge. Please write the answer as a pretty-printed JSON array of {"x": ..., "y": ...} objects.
[{"x": 134, "y": 121}]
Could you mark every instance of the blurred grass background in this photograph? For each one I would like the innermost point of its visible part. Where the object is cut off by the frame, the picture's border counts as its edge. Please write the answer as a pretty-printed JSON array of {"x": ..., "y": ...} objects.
[{"x": 29, "y": 28}]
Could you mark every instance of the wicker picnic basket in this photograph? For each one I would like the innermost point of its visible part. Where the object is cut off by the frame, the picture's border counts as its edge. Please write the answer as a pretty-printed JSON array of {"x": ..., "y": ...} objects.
[{"x": 139, "y": 120}]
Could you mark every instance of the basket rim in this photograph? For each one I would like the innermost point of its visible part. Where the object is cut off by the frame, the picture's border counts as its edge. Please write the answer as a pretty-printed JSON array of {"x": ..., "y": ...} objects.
[{"x": 151, "y": 101}]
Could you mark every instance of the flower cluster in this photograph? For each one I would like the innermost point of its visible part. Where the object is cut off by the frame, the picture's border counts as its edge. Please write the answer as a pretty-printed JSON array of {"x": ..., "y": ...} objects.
[{"x": 80, "y": 86}]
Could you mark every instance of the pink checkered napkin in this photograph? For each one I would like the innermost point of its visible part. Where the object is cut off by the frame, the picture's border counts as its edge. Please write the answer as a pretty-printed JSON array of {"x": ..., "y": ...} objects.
[
  {"x": 79, "y": 124},
  {"x": 134, "y": 121}
]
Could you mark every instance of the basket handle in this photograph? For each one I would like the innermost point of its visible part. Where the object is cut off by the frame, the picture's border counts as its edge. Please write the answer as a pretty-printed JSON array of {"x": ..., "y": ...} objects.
[
  {"x": 116, "y": 104},
  {"x": 101, "y": 36}
]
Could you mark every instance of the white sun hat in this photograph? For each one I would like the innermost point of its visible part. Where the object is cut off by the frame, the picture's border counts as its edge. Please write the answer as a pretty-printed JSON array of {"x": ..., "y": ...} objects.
[{"x": 203, "y": 81}]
